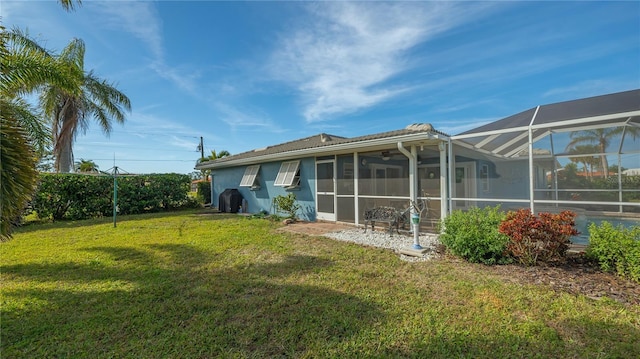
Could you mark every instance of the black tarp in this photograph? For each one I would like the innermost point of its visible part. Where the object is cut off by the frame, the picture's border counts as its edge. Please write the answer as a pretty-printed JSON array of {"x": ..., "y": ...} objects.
[{"x": 230, "y": 200}]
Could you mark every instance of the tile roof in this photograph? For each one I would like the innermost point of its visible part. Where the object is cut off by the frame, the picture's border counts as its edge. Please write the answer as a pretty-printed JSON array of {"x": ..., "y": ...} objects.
[{"x": 323, "y": 140}]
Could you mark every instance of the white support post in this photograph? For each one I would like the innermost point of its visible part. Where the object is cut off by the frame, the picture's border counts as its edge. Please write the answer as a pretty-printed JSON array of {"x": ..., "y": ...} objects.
[
  {"x": 413, "y": 183},
  {"x": 531, "y": 174},
  {"x": 452, "y": 166},
  {"x": 413, "y": 192},
  {"x": 356, "y": 171},
  {"x": 443, "y": 180}
]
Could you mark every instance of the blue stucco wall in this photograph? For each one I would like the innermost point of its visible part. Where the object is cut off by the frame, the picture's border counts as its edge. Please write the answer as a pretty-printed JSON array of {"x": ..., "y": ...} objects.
[{"x": 261, "y": 200}]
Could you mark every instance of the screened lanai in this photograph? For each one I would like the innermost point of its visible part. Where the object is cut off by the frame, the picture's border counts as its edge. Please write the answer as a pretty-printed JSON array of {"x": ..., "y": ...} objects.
[{"x": 582, "y": 155}]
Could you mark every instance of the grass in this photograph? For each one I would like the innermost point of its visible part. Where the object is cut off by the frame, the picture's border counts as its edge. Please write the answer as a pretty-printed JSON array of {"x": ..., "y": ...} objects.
[{"x": 191, "y": 285}]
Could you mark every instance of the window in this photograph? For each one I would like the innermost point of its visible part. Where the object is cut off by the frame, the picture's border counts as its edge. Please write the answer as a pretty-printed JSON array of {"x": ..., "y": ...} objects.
[
  {"x": 289, "y": 174},
  {"x": 250, "y": 177},
  {"x": 484, "y": 177}
]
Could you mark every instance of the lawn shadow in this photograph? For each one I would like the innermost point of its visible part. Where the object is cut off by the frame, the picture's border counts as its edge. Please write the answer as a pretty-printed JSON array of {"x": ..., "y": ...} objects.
[{"x": 173, "y": 300}]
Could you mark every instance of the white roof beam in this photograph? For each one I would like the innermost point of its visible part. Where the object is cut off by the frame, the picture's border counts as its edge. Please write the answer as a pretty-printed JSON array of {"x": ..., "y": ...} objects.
[
  {"x": 486, "y": 140},
  {"x": 520, "y": 148},
  {"x": 513, "y": 141}
]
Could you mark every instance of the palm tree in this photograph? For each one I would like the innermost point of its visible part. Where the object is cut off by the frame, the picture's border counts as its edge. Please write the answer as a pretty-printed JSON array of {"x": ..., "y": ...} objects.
[
  {"x": 70, "y": 111},
  {"x": 23, "y": 135},
  {"x": 216, "y": 155},
  {"x": 213, "y": 156},
  {"x": 588, "y": 162},
  {"x": 86, "y": 166},
  {"x": 601, "y": 137}
]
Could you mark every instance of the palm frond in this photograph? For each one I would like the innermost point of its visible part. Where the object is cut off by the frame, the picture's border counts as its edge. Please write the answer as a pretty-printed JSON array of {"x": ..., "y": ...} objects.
[
  {"x": 70, "y": 5},
  {"x": 17, "y": 172},
  {"x": 30, "y": 121}
]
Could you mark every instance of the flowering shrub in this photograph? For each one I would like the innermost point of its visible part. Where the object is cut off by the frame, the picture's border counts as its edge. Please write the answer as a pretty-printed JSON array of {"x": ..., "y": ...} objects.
[
  {"x": 616, "y": 249},
  {"x": 542, "y": 238}
]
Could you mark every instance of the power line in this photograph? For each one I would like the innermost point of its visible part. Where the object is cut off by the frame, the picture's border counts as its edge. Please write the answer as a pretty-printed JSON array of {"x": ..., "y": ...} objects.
[
  {"x": 172, "y": 134},
  {"x": 140, "y": 160},
  {"x": 163, "y": 149}
]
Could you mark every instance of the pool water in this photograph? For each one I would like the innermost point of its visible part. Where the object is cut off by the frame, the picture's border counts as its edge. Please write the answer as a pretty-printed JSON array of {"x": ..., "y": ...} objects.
[{"x": 583, "y": 223}]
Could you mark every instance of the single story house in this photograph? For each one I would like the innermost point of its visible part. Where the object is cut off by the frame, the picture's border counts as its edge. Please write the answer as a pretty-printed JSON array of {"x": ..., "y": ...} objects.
[{"x": 525, "y": 160}]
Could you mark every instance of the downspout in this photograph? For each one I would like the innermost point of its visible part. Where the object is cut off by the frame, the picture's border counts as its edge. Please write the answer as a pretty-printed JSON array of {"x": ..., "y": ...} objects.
[{"x": 413, "y": 191}]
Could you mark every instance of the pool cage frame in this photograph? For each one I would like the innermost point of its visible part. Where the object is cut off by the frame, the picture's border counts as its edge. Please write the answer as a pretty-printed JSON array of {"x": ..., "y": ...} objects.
[{"x": 518, "y": 138}]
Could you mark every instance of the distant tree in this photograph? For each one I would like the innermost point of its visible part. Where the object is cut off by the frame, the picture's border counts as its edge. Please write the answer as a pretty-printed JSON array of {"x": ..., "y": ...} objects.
[
  {"x": 217, "y": 155},
  {"x": 587, "y": 161},
  {"x": 601, "y": 137},
  {"x": 615, "y": 169},
  {"x": 195, "y": 175},
  {"x": 213, "y": 156},
  {"x": 86, "y": 166},
  {"x": 69, "y": 111}
]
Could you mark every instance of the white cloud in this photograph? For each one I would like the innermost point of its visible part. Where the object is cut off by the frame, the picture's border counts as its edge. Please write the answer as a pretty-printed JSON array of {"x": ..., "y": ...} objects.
[
  {"x": 344, "y": 60},
  {"x": 246, "y": 120},
  {"x": 592, "y": 88},
  {"x": 184, "y": 79},
  {"x": 142, "y": 20},
  {"x": 139, "y": 18}
]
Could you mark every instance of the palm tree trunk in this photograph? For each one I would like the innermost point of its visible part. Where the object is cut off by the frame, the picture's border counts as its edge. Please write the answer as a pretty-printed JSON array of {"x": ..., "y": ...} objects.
[
  {"x": 64, "y": 137},
  {"x": 603, "y": 157},
  {"x": 605, "y": 166},
  {"x": 65, "y": 161}
]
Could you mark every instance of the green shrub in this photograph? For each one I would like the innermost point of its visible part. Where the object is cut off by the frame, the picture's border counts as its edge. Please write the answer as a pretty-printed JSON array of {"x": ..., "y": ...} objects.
[
  {"x": 615, "y": 249},
  {"x": 204, "y": 192},
  {"x": 287, "y": 204},
  {"x": 75, "y": 196},
  {"x": 543, "y": 238},
  {"x": 72, "y": 196},
  {"x": 473, "y": 235}
]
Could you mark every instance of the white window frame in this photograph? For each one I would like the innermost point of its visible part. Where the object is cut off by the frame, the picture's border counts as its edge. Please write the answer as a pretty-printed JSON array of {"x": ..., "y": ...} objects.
[
  {"x": 250, "y": 176},
  {"x": 288, "y": 174}
]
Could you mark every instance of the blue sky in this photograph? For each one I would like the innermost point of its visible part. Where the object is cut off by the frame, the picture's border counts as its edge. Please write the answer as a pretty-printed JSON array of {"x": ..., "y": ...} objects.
[{"x": 247, "y": 75}]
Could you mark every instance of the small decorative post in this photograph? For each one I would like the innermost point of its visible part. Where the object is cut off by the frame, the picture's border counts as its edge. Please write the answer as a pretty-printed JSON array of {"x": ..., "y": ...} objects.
[{"x": 415, "y": 222}]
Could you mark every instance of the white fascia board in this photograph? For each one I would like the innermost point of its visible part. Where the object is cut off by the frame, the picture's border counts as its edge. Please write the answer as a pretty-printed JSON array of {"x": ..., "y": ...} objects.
[
  {"x": 551, "y": 125},
  {"x": 591, "y": 127},
  {"x": 315, "y": 151},
  {"x": 585, "y": 120}
]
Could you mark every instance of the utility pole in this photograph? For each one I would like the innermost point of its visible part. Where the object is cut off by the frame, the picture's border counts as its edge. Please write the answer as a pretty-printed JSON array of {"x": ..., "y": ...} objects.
[
  {"x": 204, "y": 175},
  {"x": 201, "y": 148}
]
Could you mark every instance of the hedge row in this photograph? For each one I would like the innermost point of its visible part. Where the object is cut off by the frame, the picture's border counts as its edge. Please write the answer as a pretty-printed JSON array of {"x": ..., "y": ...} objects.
[{"x": 75, "y": 196}]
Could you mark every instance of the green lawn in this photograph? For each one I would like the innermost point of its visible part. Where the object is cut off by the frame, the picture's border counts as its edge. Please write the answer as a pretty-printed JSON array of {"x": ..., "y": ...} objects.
[{"x": 190, "y": 285}]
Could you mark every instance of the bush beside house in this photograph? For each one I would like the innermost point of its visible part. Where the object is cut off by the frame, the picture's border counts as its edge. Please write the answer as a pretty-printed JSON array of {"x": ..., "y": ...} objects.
[
  {"x": 615, "y": 249},
  {"x": 490, "y": 236},
  {"x": 474, "y": 236}
]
